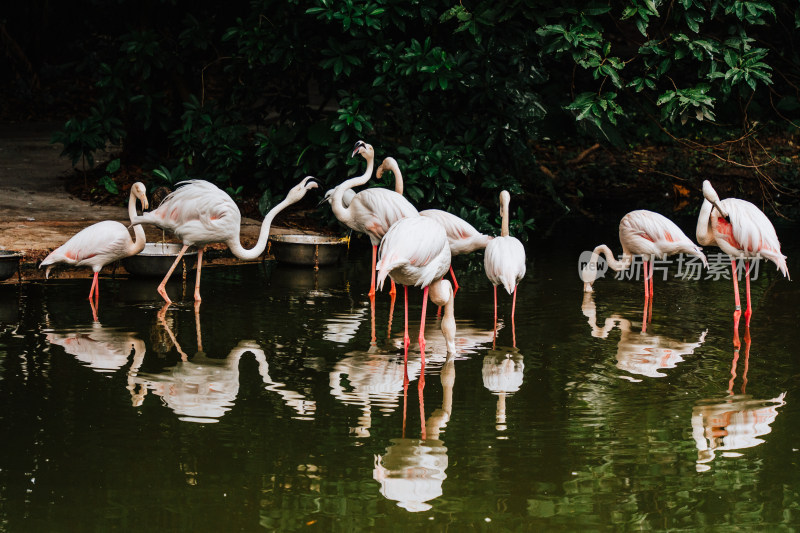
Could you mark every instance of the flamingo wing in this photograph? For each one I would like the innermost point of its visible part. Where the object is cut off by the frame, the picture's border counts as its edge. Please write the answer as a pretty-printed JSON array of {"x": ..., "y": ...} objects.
[
  {"x": 376, "y": 210},
  {"x": 96, "y": 246},
  {"x": 415, "y": 251},
  {"x": 751, "y": 232},
  {"x": 462, "y": 236},
  {"x": 504, "y": 262}
]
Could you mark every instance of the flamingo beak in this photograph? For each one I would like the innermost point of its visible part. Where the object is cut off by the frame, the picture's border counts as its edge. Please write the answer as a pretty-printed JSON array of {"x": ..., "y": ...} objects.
[
  {"x": 722, "y": 211},
  {"x": 357, "y": 147}
]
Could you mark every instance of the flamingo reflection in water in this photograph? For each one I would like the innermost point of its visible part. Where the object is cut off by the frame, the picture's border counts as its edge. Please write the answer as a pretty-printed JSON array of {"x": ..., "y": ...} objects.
[
  {"x": 638, "y": 352},
  {"x": 204, "y": 389},
  {"x": 103, "y": 349},
  {"x": 734, "y": 422},
  {"x": 503, "y": 372},
  {"x": 412, "y": 471}
]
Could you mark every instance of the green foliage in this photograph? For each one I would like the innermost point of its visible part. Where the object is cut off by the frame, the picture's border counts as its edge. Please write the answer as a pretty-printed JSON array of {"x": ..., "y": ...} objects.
[{"x": 271, "y": 91}]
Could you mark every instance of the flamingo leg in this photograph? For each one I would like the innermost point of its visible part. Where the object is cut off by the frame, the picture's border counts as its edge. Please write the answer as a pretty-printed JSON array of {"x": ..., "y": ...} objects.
[
  {"x": 373, "y": 338},
  {"x": 406, "y": 338},
  {"x": 162, "y": 287},
  {"x": 738, "y": 310},
  {"x": 421, "y": 338},
  {"x": 513, "y": 324},
  {"x": 652, "y": 266},
  {"x": 391, "y": 315},
  {"x": 420, "y": 389},
  {"x": 197, "y": 276},
  {"x": 749, "y": 311},
  {"x": 746, "y": 358},
  {"x": 494, "y": 338},
  {"x": 94, "y": 285},
  {"x": 371, "y": 292},
  {"x": 93, "y": 304},
  {"x": 646, "y": 298},
  {"x": 455, "y": 283},
  {"x": 393, "y": 290}
]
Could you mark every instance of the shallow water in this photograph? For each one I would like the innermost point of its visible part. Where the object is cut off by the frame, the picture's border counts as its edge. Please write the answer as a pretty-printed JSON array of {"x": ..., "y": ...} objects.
[{"x": 272, "y": 408}]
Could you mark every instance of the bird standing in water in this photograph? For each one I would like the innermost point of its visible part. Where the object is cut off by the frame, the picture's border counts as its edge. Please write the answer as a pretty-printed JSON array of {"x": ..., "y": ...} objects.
[
  {"x": 200, "y": 213},
  {"x": 650, "y": 235},
  {"x": 101, "y": 244},
  {"x": 414, "y": 252},
  {"x": 371, "y": 211},
  {"x": 742, "y": 231}
]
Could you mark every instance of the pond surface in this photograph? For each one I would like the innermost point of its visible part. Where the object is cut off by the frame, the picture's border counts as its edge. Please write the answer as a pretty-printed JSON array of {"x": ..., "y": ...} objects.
[{"x": 271, "y": 406}]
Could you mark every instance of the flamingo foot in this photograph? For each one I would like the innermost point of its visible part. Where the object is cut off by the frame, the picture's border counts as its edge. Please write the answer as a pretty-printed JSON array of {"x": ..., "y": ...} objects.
[{"x": 163, "y": 292}]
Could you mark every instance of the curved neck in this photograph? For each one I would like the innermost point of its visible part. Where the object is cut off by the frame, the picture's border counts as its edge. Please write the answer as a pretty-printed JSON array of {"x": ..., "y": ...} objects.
[
  {"x": 342, "y": 212},
  {"x": 504, "y": 216},
  {"x": 244, "y": 254},
  {"x": 398, "y": 176},
  {"x": 613, "y": 264},
  {"x": 138, "y": 230},
  {"x": 703, "y": 231}
]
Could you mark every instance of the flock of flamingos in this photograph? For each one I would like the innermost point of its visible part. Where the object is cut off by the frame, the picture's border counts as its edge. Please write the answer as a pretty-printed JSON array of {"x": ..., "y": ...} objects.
[{"x": 414, "y": 247}]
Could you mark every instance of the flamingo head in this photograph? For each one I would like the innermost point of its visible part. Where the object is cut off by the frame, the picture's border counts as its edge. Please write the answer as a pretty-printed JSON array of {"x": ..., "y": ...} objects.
[
  {"x": 505, "y": 199},
  {"x": 362, "y": 148},
  {"x": 327, "y": 198},
  {"x": 388, "y": 164},
  {"x": 712, "y": 196},
  {"x": 297, "y": 192},
  {"x": 140, "y": 191}
]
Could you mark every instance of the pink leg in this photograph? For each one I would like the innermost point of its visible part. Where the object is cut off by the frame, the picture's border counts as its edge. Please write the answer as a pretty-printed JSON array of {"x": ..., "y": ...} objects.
[
  {"x": 420, "y": 390},
  {"x": 455, "y": 283},
  {"x": 652, "y": 266},
  {"x": 406, "y": 338},
  {"x": 94, "y": 286},
  {"x": 94, "y": 309},
  {"x": 749, "y": 311},
  {"x": 371, "y": 292},
  {"x": 494, "y": 338},
  {"x": 393, "y": 290},
  {"x": 197, "y": 276},
  {"x": 162, "y": 287},
  {"x": 513, "y": 325},
  {"x": 421, "y": 338},
  {"x": 646, "y": 297},
  {"x": 391, "y": 315},
  {"x": 738, "y": 310}
]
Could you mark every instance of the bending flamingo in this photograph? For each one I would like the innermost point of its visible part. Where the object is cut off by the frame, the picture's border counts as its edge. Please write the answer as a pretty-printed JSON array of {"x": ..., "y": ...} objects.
[
  {"x": 650, "y": 235},
  {"x": 743, "y": 232},
  {"x": 414, "y": 252},
  {"x": 504, "y": 262},
  {"x": 371, "y": 211},
  {"x": 462, "y": 237},
  {"x": 200, "y": 213},
  {"x": 102, "y": 243}
]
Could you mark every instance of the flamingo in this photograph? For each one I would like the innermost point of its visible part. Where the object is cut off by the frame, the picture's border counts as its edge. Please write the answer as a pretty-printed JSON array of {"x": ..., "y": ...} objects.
[
  {"x": 200, "y": 213},
  {"x": 371, "y": 211},
  {"x": 504, "y": 261},
  {"x": 462, "y": 237},
  {"x": 414, "y": 252},
  {"x": 742, "y": 231},
  {"x": 101, "y": 244},
  {"x": 648, "y": 234}
]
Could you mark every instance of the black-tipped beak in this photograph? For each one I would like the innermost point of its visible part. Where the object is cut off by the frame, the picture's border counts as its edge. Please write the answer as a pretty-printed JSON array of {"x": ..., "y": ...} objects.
[{"x": 358, "y": 145}]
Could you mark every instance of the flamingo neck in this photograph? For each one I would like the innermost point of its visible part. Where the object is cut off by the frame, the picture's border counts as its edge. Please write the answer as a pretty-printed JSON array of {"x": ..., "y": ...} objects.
[
  {"x": 504, "y": 216},
  {"x": 342, "y": 212},
  {"x": 703, "y": 232},
  {"x": 449, "y": 325},
  {"x": 244, "y": 254},
  {"x": 398, "y": 176},
  {"x": 612, "y": 261},
  {"x": 138, "y": 230}
]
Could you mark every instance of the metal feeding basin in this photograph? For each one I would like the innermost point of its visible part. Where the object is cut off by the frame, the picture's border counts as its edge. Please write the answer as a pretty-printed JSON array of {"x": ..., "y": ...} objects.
[
  {"x": 9, "y": 263},
  {"x": 308, "y": 250},
  {"x": 157, "y": 257}
]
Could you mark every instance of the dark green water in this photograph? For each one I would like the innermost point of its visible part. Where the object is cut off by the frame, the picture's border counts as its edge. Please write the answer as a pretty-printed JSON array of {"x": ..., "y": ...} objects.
[{"x": 285, "y": 416}]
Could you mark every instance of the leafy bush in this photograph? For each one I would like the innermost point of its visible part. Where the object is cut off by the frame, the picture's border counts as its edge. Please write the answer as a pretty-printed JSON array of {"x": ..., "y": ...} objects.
[{"x": 270, "y": 91}]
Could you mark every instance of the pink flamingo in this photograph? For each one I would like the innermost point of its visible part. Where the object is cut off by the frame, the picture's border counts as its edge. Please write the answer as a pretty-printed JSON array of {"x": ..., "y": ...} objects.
[
  {"x": 650, "y": 235},
  {"x": 200, "y": 213},
  {"x": 462, "y": 237},
  {"x": 414, "y": 252},
  {"x": 504, "y": 262},
  {"x": 371, "y": 211},
  {"x": 101, "y": 244},
  {"x": 742, "y": 231}
]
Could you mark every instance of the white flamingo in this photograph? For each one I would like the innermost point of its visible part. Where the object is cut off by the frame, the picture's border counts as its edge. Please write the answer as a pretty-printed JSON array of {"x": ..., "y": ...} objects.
[
  {"x": 414, "y": 252},
  {"x": 371, "y": 211},
  {"x": 504, "y": 261},
  {"x": 461, "y": 235},
  {"x": 650, "y": 235},
  {"x": 102, "y": 243},
  {"x": 742, "y": 231},
  {"x": 200, "y": 213}
]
